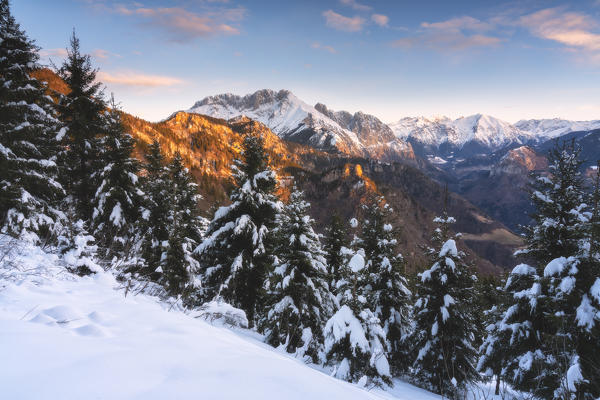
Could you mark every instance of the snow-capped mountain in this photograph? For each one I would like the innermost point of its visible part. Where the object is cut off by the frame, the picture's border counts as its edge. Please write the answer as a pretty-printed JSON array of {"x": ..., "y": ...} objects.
[
  {"x": 293, "y": 119},
  {"x": 477, "y": 131},
  {"x": 555, "y": 127}
]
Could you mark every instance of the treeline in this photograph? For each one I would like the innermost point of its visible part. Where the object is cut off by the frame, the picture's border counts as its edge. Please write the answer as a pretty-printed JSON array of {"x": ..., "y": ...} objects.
[{"x": 68, "y": 182}]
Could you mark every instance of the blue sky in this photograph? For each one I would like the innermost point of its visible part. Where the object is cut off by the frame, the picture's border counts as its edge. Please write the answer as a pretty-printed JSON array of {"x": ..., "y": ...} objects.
[{"x": 513, "y": 60}]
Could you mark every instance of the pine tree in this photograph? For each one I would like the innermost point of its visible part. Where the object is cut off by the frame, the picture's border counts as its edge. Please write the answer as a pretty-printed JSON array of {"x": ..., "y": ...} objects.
[
  {"x": 81, "y": 111},
  {"x": 336, "y": 238},
  {"x": 444, "y": 331},
  {"x": 180, "y": 265},
  {"x": 541, "y": 317},
  {"x": 492, "y": 303},
  {"x": 156, "y": 186},
  {"x": 238, "y": 250},
  {"x": 29, "y": 188},
  {"x": 588, "y": 327},
  {"x": 573, "y": 301},
  {"x": 556, "y": 230},
  {"x": 299, "y": 301},
  {"x": 355, "y": 342},
  {"x": 118, "y": 198},
  {"x": 389, "y": 295}
]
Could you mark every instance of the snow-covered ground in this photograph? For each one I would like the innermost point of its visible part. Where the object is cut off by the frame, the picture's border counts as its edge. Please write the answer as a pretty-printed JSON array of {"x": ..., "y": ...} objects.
[{"x": 65, "y": 337}]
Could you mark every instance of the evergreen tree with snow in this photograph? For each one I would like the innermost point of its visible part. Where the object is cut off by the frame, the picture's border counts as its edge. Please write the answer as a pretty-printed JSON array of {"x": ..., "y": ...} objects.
[
  {"x": 492, "y": 303},
  {"x": 29, "y": 189},
  {"x": 559, "y": 201},
  {"x": 545, "y": 322},
  {"x": 444, "y": 331},
  {"x": 181, "y": 265},
  {"x": 573, "y": 300},
  {"x": 336, "y": 238},
  {"x": 355, "y": 342},
  {"x": 238, "y": 253},
  {"x": 156, "y": 186},
  {"x": 298, "y": 302},
  {"x": 389, "y": 295},
  {"x": 82, "y": 113},
  {"x": 118, "y": 199}
]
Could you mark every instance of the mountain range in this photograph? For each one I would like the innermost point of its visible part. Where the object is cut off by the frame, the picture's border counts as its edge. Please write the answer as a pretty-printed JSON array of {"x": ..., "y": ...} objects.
[
  {"x": 439, "y": 139},
  {"x": 480, "y": 157}
]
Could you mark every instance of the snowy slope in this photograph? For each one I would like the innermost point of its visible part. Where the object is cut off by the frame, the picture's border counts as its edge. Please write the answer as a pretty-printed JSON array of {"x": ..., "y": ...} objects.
[
  {"x": 485, "y": 130},
  {"x": 64, "y": 338},
  {"x": 552, "y": 128}
]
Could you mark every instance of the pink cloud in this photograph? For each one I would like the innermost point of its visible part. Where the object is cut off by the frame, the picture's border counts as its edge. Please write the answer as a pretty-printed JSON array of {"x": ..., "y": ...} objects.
[
  {"x": 380, "y": 19},
  {"x": 137, "y": 79},
  {"x": 342, "y": 23},
  {"x": 355, "y": 5},
  {"x": 183, "y": 25},
  {"x": 569, "y": 28},
  {"x": 317, "y": 45}
]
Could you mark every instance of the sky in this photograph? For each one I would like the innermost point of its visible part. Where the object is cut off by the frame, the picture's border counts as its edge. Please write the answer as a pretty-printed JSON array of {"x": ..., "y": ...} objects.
[{"x": 510, "y": 59}]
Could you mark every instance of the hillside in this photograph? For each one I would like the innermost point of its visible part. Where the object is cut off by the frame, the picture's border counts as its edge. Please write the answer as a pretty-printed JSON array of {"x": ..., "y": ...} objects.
[{"x": 70, "y": 338}]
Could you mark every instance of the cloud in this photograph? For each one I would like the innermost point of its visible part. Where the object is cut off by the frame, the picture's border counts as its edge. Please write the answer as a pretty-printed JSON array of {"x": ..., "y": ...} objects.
[
  {"x": 460, "y": 23},
  {"x": 380, "y": 19},
  {"x": 48, "y": 53},
  {"x": 453, "y": 41},
  {"x": 568, "y": 28},
  {"x": 182, "y": 25},
  {"x": 342, "y": 23},
  {"x": 355, "y": 5},
  {"x": 454, "y": 34},
  {"x": 102, "y": 54},
  {"x": 317, "y": 45},
  {"x": 137, "y": 79}
]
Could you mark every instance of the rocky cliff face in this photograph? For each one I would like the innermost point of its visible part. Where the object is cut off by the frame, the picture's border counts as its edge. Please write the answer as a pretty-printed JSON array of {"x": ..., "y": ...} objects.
[{"x": 292, "y": 119}]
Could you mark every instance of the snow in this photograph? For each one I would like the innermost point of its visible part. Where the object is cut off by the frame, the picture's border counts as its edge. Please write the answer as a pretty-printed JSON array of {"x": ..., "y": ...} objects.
[
  {"x": 586, "y": 313},
  {"x": 342, "y": 323},
  {"x": 283, "y": 112},
  {"x": 357, "y": 263},
  {"x": 574, "y": 375},
  {"x": 595, "y": 290},
  {"x": 220, "y": 313},
  {"x": 483, "y": 129},
  {"x": 523, "y": 269},
  {"x": 64, "y": 337},
  {"x": 556, "y": 266},
  {"x": 449, "y": 247}
]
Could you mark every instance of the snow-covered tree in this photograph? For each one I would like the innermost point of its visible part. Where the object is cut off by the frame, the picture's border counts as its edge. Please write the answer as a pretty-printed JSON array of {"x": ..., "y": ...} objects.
[
  {"x": 29, "y": 188},
  {"x": 573, "y": 303},
  {"x": 355, "y": 342},
  {"x": 118, "y": 199},
  {"x": 389, "y": 296},
  {"x": 156, "y": 186},
  {"x": 492, "y": 302},
  {"x": 444, "y": 331},
  {"x": 82, "y": 113},
  {"x": 336, "y": 238},
  {"x": 181, "y": 266},
  {"x": 77, "y": 248},
  {"x": 299, "y": 301},
  {"x": 238, "y": 250},
  {"x": 559, "y": 201},
  {"x": 540, "y": 321}
]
